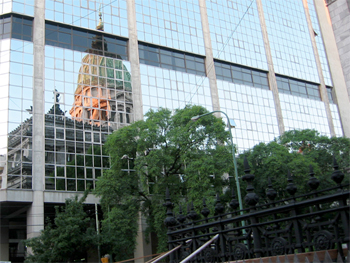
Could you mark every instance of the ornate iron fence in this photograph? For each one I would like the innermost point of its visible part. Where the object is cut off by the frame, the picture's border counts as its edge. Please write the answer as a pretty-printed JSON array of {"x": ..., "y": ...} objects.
[{"x": 315, "y": 221}]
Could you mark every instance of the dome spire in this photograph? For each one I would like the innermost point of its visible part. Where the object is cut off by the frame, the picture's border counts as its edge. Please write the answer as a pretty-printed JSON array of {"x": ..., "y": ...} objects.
[{"x": 100, "y": 24}]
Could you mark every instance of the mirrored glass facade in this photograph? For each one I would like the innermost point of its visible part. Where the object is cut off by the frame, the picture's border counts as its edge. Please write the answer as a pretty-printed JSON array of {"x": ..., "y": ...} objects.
[
  {"x": 236, "y": 32},
  {"x": 5, "y": 6},
  {"x": 87, "y": 96},
  {"x": 100, "y": 65},
  {"x": 286, "y": 26},
  {"x": 23, "y": 7},
  {"x": 84, "y": 13},
  {"x": 319, "y": 43},
  {"x": 336, "y": 120},
  {"x": 173, "y": 89},
  {"x": 4, "y": 107},
  {"x": 253, "y": 111},
  {"x": 301, "y": 113},
  {"x": 88, "y": 85},
  {"x": 174, "y": 24},
  {"x": 19, "y": 155}
]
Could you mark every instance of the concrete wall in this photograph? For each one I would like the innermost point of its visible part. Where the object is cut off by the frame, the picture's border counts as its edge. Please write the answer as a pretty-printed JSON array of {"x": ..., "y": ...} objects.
[
  {"x": 340, "y": 90},
  {"x": 339, "y": 12}
]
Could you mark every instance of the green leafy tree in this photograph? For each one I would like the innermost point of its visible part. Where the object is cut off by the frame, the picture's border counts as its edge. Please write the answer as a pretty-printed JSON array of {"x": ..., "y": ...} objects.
[
  {"x": 165, "y": 150},
  {"x": 68, "y": 239},
  {"x": 295, "y": 151}
]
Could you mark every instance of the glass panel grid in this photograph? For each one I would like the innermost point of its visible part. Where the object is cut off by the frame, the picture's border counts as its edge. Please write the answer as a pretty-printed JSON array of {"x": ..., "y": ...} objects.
[
  {"x": 87, "y": 96},
  {"x": 172, "y": 89},
  {"x": 85, "y": 41},
  {"x": 83, "y": 13},
  {"x": 241, "y": 75},
  {"x": 5, "y": 26},
  {"x": 23, "y": 7},
  {"x": 336, "y": 120},
  {"x": 319, "y": 42},
  {"x": 4, "y": 100},
  {"x": 289, "y": 38},
  {"x": 253, "y": 111},
  {"x": 303, "y": 113},
  {"x": 298, "y": 87},
  {"x": 19, "y": 126},
  {"x": 175, "y": 24},
  {"x": 171, "y": 59},
  {"x": 5, "y": 6},
  {"x": 16, "y": 27},
  {"x": 235, "y": 32}
]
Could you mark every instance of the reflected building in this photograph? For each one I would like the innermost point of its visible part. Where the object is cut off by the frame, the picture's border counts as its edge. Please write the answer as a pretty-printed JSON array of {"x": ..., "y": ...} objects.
[
  {"x": 99, "y": 94},
  {"x": 66, "y": 84}
]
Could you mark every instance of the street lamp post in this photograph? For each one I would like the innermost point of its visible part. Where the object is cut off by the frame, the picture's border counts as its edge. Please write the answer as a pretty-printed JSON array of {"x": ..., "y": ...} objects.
[{"x": 233, "y": 154}]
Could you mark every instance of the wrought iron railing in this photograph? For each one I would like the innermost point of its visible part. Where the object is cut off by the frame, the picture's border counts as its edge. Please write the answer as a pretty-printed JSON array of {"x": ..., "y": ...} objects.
[{"x": 315, "y": 221}]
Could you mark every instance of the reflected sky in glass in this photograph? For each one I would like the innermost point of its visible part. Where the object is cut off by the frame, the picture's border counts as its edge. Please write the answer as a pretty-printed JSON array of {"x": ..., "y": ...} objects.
[
  {"x": 236, "y": 33},
  {"x": 20, "y": 82},
  {"x": 336, "y": 120},
  {"x": 5, "y": 6},
  {"x": 173, "y": 89},
  {"x": 302, "y": 113},
  {"x": 82, "y": 13},
  {"x": 289, "y": 38},
  {"x": 4, "y": 76},
  {"x": 175, "y": 24},
  {"x": 319, "y": 43},
  {"x": 253, "y": 111}
]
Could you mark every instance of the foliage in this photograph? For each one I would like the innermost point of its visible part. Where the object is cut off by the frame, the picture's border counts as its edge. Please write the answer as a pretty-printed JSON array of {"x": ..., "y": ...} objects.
[
  {"x": 119, "y": 229},
  {"x": 72, "y": 234},
  {"x": 295, "y": 151},
  {"x": 165, "y": 150}
]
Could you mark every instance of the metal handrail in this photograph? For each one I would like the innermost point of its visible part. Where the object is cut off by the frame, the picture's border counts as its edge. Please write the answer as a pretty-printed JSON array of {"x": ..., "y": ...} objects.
[
  {"x": 166, "y": 254},
  {"x": 200, "y": 249}
]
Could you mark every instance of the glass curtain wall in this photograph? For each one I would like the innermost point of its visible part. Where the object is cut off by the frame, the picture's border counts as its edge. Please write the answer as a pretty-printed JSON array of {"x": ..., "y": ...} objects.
[
  {"x": 88, "y": 94},
  {"x": 16, "y": 71}
]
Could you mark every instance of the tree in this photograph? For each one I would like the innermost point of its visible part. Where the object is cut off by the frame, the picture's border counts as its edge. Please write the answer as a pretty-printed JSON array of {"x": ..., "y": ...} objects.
[
  {"x": 295, "y": 151},
  {"x": 68, "y": 239},
  {"x": 165, "y": 150}
]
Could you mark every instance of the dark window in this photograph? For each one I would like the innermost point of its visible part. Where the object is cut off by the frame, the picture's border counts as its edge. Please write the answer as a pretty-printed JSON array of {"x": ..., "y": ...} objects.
[
  {"x": 298, "y": 87},
  {"x": 165, "y": 52},
  {"x": 237, "y": 74},
  {"x": 176, "y": 60},
  {"x": 64, "y": 37},
  {"x": 256, "y": 79},
  {"x": 330, "y": 95},
  {"x": 302, "y": 89},
  {"x": 153, "y": 56},
  {"x": 179, "y": 63},
  {"x": 190, "y": 64},
  {"x": 85, "y": 41},
  {"x": 80, "y": 41},
  {"x": 165, "y": 59},
  {"x": 16, "y": 27},
  {"x": 51, "y": 35},
  {"x": 294, "y": 87},
  {"x": 200, "y": 66},
  {"x": 247, "y": 77},
  {"x": 241, "y": 75}
]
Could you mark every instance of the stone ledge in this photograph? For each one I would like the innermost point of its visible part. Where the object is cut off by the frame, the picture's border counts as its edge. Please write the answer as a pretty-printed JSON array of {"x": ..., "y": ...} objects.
[{"x": 300, "y": 257}]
